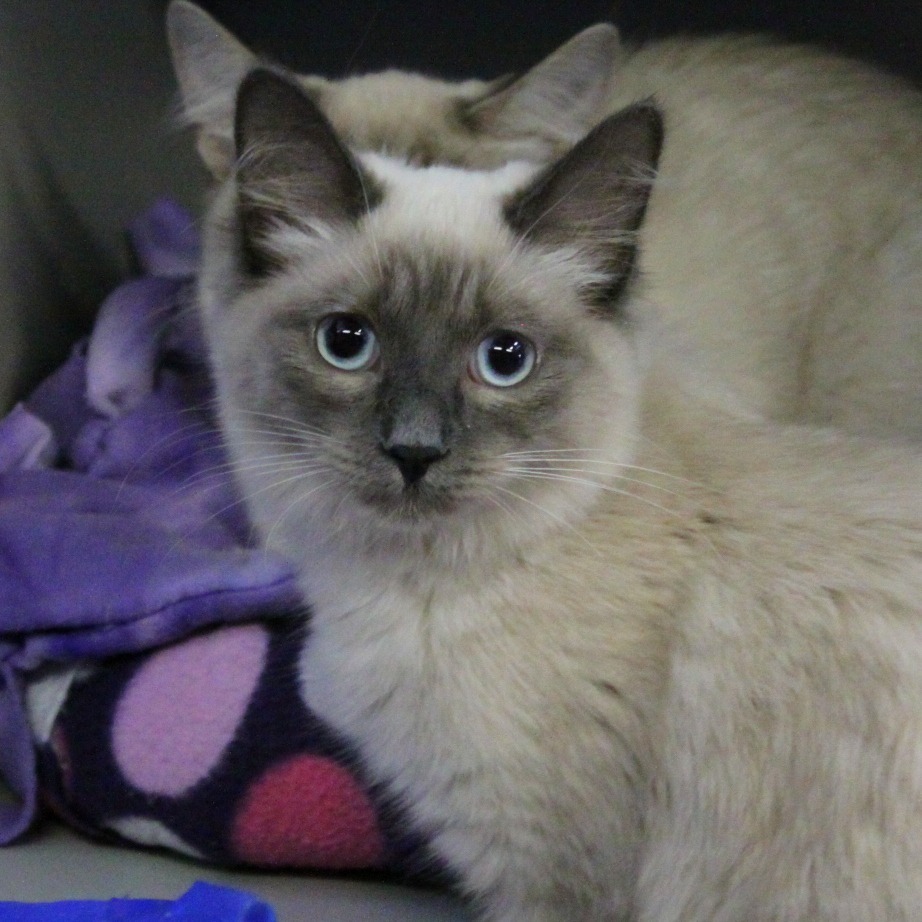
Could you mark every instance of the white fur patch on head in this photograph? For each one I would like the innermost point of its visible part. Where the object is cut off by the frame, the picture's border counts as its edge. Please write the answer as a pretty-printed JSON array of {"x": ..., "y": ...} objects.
[{"x": 443, "y": 205}]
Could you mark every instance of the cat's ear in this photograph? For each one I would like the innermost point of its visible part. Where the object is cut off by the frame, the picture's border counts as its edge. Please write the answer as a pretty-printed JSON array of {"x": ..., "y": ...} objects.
[
  {"x": 559, "y": 98},
  {"x": 210, "y": 65},
  {"x": 292, "y": 169},
  {"x": 594, "y": 198}
]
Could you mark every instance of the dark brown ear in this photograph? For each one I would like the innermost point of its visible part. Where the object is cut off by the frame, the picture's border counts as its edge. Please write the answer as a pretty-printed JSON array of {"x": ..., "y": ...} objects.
[
  {"x": 594, "y": 198},
  {"x": 291, "y": 166}
]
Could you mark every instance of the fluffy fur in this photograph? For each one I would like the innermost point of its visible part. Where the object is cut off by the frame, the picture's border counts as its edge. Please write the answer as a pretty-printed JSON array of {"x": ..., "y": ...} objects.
[
  {"x": 783, "y": 244},
  {"x": 622, "y": 652}
]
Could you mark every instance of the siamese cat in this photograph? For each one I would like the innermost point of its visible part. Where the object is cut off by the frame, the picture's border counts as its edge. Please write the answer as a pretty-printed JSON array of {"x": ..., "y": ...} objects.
[
  {"x": 624, "y": 652},
  {"x": 783, "y": 243}
]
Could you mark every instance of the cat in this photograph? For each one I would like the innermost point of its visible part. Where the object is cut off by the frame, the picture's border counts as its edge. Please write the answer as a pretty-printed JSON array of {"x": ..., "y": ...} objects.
[
  {"x": 783, "y": 243},
  {"x": 622, "y": 650}
]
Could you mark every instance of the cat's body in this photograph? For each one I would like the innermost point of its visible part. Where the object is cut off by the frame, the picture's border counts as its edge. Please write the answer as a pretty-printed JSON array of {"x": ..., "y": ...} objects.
[
  {"x": 622, "y": 653},
  {"x": 709, "y": 711},
  {"x": 783, "y": 244}
]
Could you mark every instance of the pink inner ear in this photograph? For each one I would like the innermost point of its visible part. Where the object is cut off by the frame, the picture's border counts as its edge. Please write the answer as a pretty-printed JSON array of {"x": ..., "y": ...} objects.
[{"x": 181, "y": 710}]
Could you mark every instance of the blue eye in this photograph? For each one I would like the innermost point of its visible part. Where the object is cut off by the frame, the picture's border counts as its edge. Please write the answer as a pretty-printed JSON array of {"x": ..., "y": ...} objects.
[
  {"x": 347, "y": 342},
  {"x": 503, "y": 359}
]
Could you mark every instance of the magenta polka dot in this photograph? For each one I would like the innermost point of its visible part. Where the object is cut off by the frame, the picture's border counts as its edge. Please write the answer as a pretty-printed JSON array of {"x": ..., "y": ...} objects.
[
  {"x": 181, "y": 709},
  {"x": 308, "y": 812}
]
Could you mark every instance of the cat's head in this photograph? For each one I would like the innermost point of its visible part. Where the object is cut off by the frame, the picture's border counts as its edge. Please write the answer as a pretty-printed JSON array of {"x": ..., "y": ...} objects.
[
  {"x": 422, "y": 352},
  {"x": 470, "y": 123}
]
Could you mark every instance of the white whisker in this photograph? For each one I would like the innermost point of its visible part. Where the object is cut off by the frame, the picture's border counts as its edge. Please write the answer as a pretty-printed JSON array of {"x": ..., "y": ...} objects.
[
  {"x": 501, "y": 505},
  {"x": 265, "y": 464},
  {"x": 175, "y": 438},
  {"x": 577, "y": 456},
  {"x": 297, "y": 501},
  {"x": 548, "y": 513},
  {"x": 275, "y": 484},
  {"x": 292, "y": 426},
  {"x": 561, "y": 472},
  {"x": 585, "y": 481}
]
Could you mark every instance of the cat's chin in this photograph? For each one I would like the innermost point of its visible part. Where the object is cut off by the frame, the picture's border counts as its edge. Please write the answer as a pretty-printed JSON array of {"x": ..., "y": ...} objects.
[{"x": 413, "y": 505}]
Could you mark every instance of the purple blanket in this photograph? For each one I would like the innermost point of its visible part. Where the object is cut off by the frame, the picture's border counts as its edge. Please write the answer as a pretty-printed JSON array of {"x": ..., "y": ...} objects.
[
  {"x": 148, "y": 653},
  {"x": 119, "y": 527}
]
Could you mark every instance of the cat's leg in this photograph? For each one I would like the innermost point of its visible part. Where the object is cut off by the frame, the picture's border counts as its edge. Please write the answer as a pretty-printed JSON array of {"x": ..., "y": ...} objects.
[
  {"x": 552, "y": 880},
  {"x": 779, "y": 842}
]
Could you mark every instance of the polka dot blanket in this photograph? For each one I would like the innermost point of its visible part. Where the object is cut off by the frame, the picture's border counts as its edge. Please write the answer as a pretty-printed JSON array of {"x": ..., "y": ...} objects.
[
  {"x": 205, "y": 747},
  {"x": 148, "y": 652}
]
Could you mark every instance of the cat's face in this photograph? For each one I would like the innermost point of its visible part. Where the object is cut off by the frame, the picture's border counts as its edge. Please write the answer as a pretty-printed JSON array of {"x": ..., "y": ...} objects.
[
  {"x": 469, "y": 123},
  {"x": 399, "y": 349}
]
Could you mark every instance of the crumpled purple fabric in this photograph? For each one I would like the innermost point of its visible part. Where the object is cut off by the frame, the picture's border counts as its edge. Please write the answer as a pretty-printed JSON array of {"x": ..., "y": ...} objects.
[{"x": 119, "y": 526}]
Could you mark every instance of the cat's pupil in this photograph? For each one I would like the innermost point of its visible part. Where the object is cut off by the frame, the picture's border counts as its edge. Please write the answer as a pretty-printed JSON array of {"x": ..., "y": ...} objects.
[
  {"x": 507, "y": 355},
  {"x": 346, "y": 336}
]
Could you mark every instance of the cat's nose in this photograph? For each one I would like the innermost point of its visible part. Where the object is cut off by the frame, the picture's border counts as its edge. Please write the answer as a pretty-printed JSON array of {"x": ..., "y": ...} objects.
[{"x": 414, "y": 460}]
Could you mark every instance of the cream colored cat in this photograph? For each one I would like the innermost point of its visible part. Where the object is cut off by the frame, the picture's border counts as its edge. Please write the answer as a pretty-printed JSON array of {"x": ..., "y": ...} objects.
[
  {"x": 783, "y": 245},
  {"x": 622, "y": 653}
]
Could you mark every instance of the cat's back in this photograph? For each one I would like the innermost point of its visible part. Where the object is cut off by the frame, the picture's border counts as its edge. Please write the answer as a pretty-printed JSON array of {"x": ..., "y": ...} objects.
[
  {"x": 811, "y": 561},
  {"x": 783, "y": 239},
  {"x": 837, "y": 143},
  {"x": 838, "y": 139},
  {"x": 750, "y": 73}
]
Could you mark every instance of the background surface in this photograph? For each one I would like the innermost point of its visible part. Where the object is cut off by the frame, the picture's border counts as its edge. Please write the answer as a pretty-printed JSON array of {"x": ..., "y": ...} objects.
[{"x": 493, "y": 37}]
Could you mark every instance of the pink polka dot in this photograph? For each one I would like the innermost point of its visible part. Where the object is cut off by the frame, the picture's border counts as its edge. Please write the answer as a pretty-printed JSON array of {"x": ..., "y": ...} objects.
[
  {"x": 308, "y": 812},
  {"x": 180, "y": 711}
]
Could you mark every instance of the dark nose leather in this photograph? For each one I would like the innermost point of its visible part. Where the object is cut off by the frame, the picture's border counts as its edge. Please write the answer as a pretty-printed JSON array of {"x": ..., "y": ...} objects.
[{"x": 414, "y": 460}]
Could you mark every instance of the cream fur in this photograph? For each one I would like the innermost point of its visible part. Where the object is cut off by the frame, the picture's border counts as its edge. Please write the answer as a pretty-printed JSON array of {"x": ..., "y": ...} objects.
[{"x": 784, "y": 238}]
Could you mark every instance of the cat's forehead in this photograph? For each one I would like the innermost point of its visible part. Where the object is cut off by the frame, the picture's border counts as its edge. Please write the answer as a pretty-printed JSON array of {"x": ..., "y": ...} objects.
[
  {"x": 435, "y": 246},
  {"x": 446, "y": 207},
  {"x": 376, "y": 94},
  {"x": 426, "y": 293},
  {"x": 438, "y": 244}
]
